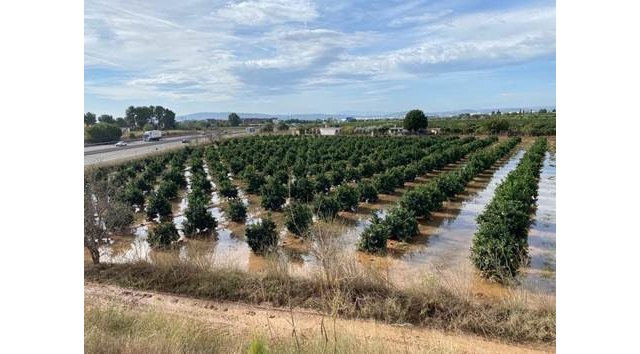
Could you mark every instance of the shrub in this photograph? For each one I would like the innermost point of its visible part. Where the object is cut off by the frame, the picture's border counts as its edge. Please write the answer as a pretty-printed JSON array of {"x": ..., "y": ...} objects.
[
  {"x": 132, "y": 195},
  {"x": 163, "y": 235},
  {"x": 103, "y": 132},
  {"x": 198, "y": 218},
  {"x": 410, "y": 173},
  {"x": 298, "y": 217},
  {"x": 450, "y": 184},
  {"x": 402, "y": 223},
  {"x": 168, "y": 189},
  {"x": 273, "y": 195},
  {"x": 142, "y": 184},
  {"x": 176, "y": 176},
  {"x": 227, "y": 189},
  {"x": 385, "y": 183},
  {"x": 368, "y": 192},
  {"x": 336, "y": 177},
  {"x": 366, "y": 169},
  {"x": 237, "y": 210},
  {"x": 262, "y": 236},
  {"x": 347, "y": 197},
  {"x": 422, "y": 200},
  {"x": 302, "y": 189},
  {"x": 281, "y": 176},
  {"x": 158, "y": 205},
  {"x": 326, "y": 207},
  {"x": 374, "y": 238},
  {"x": 322, "y": 183},
  {"x": 254, "y": 179},
  {"x": 236, "y": 166},
  {"x": 352, "y": 174},
  {"x": 200, "y": 181}
]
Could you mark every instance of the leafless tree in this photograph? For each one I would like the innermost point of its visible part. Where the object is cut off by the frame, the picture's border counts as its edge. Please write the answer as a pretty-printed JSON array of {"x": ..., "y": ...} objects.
[{"x": 96, "y": 207}]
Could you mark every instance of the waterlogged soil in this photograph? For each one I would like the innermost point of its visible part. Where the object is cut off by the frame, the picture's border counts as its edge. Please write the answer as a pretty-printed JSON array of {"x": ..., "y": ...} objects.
[
  {"x": 541, "y": 272},
  {"x": 440, "y": 251}
]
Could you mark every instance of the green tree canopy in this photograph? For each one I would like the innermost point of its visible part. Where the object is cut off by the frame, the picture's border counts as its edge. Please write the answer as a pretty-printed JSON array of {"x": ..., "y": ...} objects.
[
  {"x": 163, "y": 235},
  {"x": 105, "y": 118},
  {"x": 298, "y": 217},
  {"x": 103, "y": 132},
  {"x": 262, "y": 236},
  {"x": 89, "y": 118},
  {"x": 234, "y": 120},
  {"x": 415, "y": 120},
  {"x": 121, "y": 122}
]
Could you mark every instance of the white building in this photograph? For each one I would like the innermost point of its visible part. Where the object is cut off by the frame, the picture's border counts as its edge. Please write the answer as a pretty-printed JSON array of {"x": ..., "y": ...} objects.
[
  {"x": 397, "y": 131},
  {"x": 329, "y": 131}
]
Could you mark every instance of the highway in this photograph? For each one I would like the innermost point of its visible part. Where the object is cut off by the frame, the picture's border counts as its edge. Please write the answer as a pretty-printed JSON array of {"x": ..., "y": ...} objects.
[
  {"x": 89, "y": 150},
  {"x": 108, "y": 154}
]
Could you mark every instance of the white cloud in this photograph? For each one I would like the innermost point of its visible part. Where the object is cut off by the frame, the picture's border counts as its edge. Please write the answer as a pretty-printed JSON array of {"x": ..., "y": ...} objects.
[
  {"x": 419, "y": 19},
  {"x": 257, "y": 48},
  {"x": 260, "y": 12},
  {"x": 459, "y": 43}
]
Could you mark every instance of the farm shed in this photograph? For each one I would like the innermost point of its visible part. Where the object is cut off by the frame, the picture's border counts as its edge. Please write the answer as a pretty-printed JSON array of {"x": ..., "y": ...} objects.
[
  {"x": 397, "y": 131},
  {"x": 329, "y": 131}
]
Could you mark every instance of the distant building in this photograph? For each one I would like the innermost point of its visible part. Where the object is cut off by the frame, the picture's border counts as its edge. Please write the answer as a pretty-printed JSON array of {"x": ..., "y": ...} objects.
[
  {"x": 397, "y": 131},
  {"x": 303, "y": 131},
  {"x": 330, "y": 131}
]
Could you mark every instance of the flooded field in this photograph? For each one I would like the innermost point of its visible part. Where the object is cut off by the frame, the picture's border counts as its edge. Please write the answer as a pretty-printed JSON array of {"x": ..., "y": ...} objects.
[
  {"x": 541, "y": 273},
  {"x": 441, "y": 250}
]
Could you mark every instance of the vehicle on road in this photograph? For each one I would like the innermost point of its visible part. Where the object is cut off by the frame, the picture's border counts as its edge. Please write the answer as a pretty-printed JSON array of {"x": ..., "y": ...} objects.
[
  {"x": 186, "y": 141},
  {"x": 152, "y": 135},
  {"x": 121, "y": 143}
]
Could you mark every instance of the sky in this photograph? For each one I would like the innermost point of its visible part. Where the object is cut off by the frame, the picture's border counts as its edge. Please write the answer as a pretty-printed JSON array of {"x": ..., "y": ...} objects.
[{"x": 306, "y": 56}]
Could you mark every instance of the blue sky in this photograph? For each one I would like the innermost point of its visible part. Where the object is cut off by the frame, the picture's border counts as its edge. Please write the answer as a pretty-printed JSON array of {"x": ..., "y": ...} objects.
[{"x": 306, "y": 56}]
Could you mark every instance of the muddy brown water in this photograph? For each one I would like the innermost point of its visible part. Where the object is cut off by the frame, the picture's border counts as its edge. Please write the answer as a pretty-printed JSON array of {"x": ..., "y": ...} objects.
[{"x": 440, "y": 251}]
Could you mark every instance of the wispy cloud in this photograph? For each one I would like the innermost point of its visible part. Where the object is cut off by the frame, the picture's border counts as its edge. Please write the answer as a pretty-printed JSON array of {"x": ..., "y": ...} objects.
[
  {"x": 205, "y": 51},
  {"x": 260, "y": 12}
]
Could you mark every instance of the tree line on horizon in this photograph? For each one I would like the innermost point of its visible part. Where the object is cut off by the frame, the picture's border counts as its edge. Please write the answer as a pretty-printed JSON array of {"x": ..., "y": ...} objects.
[{"x": 105, "y": 128}]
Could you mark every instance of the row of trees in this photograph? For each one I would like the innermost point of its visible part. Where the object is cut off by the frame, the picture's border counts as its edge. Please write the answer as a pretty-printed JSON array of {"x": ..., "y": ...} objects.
[
  {"x": 500, "y": 245},
  {"x": 157, "y": 117},
  {"x": 336, "y": 185},
  {"x": 345, "y": 196},
  {"x": 401, "y": 223}
]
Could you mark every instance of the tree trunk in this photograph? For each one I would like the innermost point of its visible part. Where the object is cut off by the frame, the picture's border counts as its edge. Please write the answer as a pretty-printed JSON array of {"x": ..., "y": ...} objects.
[{"x": 95, "y": 254}]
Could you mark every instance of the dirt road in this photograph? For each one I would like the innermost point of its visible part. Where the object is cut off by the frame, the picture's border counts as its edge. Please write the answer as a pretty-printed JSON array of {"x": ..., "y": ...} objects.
[{"x": 242, "y": 319}]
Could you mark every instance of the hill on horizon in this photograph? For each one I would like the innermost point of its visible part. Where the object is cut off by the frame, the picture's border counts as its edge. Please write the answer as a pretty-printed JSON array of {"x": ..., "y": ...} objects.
[{"x": 344, "y": 114}]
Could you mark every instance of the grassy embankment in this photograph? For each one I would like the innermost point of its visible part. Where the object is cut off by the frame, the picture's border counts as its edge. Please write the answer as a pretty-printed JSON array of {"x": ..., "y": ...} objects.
[
  {"x": 343, "y": 289},
  {"x": 115, "y": 329}
]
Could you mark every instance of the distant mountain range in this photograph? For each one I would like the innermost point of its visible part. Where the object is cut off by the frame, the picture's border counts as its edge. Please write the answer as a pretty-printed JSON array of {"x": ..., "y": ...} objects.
[
  {"x": 309, "y": 116},
  {"x": 345, "y": 114}
]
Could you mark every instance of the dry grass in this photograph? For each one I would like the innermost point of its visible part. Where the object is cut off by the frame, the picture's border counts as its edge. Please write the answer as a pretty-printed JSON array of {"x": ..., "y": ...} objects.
[
  {"x": 116, "y": 329},
  {"x": 340, "y": 289}
]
